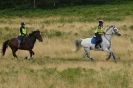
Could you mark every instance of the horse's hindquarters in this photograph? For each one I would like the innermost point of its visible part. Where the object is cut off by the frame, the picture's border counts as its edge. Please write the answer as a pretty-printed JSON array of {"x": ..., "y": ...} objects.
[{"x": 86, "y": 42}]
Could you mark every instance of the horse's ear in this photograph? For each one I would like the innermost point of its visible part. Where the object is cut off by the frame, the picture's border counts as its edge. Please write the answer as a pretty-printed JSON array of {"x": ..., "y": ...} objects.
[{"x": 110, "y": 26}]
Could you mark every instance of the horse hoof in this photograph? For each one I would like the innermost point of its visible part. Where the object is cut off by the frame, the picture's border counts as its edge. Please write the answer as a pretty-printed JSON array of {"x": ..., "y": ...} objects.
[
  {"x": 115, "y": 61},
  {"x": 107, "y": 59},
  {"x": 92, "y": 59},
  {"x": 31, "y": 58},
  {"x": 26, "y": 58}
]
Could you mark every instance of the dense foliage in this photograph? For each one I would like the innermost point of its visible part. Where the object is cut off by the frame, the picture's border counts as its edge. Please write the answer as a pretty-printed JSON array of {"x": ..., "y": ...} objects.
[{"x": 28, "y": 4}]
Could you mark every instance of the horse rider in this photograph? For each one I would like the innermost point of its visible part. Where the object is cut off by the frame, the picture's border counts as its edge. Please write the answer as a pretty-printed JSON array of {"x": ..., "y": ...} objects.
[
  {"x": 98, "y": 33},
  {"x": 23, "y": 33}
]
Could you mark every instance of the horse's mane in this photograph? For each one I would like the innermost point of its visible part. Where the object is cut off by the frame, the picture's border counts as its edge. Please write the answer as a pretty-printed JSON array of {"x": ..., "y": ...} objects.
[
  {"x": 33, "y": 32},
  {"x": 30, "y": 34},
  {"x": 110, "y": 27}
]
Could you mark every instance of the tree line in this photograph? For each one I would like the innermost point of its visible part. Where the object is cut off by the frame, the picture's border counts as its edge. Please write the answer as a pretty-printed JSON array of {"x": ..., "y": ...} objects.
[{"x": 44, "y": 4}]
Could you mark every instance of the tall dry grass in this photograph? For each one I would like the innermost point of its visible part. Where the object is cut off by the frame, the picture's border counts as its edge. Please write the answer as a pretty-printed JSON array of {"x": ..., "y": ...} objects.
[{"x": 55, "y": 65}]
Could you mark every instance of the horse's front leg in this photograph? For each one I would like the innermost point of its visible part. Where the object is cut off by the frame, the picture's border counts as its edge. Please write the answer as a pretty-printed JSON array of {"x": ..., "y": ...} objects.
[
  {"x": 31, "y": 54},
  {"x": 114, "y": 57},
  {"x": 108, "y": 50},
  {"x": 87, "y": 53},
  {"x": 111, "y": 54}
]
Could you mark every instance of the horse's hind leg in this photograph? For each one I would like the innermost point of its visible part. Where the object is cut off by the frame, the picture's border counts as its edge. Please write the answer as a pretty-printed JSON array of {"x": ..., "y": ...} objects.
[
  {"x": 14, "y": 53},
  {"x": 87, "y": 53}
]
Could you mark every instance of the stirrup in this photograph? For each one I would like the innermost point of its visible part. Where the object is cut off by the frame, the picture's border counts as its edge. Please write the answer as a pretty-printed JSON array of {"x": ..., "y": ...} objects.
[{"x": 98, "y": 47}]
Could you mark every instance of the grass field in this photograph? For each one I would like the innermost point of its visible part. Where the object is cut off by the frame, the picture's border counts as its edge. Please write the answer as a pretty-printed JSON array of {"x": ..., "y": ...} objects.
[{"x": 55, "y": 65}]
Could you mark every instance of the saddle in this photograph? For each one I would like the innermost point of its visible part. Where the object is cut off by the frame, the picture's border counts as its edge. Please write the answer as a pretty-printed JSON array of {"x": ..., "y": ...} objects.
[{"x": 95, "y": 41}]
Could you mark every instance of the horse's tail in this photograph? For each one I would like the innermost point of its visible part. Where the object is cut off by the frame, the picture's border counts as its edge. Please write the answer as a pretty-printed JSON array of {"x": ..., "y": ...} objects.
[
  {"x": 5, "y": 45},
  {"x": 78, "y": 44}
]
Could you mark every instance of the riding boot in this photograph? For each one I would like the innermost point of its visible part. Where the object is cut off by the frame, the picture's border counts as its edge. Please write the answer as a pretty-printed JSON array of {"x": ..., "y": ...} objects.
[
  {"x": 100, "y": 46},
  {"x": 97, "y": 46}
]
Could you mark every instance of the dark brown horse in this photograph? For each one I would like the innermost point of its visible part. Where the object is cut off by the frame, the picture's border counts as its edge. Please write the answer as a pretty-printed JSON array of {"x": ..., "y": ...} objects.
[{"x": 28, "y": 44}]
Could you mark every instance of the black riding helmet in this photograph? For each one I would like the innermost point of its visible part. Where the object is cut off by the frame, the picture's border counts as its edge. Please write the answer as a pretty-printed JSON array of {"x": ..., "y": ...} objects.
[
  {"x": 100, "y": 22},
  {"x": 22, "y": 23}
]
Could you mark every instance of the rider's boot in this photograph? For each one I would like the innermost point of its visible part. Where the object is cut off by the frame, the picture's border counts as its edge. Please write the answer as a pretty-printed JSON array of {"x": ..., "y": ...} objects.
[{"x": 97, "y": 46}]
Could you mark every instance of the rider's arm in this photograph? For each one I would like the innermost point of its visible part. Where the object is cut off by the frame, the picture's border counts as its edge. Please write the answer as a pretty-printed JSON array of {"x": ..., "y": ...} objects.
[{"x": 104, "y": 31}]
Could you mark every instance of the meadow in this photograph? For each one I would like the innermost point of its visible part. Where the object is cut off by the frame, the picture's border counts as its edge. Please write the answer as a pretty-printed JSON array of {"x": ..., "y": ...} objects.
[{"x": 55, "y": 65}]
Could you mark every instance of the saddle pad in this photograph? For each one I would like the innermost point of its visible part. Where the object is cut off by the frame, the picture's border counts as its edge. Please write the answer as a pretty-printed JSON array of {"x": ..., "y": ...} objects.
[{"x": 93, "y": 40}]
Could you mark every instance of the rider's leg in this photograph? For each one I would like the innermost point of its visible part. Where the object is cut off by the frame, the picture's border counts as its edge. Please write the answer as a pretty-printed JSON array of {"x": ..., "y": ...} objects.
[
  {"x": 99, "y": 40},
  {"x": 96, "y": 45},
  {"x": 22, "y": 40}
]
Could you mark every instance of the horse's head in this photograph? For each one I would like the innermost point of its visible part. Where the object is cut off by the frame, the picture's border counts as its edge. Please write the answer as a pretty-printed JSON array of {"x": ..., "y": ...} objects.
[
  {"x": 37, "y": 34},
  {"x": 114, "y": 30}
]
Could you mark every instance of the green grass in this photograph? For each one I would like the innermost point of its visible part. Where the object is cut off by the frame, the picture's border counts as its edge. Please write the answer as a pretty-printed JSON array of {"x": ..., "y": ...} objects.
[
  {"x": 86, "y": 13},
  {"x": 71, "y": 74},
  {"x": 25, "y": 75}
]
